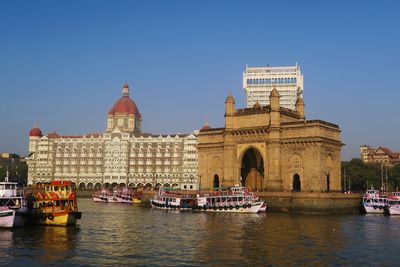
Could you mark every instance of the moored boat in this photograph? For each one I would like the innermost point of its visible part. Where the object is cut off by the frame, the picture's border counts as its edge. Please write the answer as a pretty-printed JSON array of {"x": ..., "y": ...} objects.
[
  {"x": 103, "y": 195},
  {"x": 165, "y": 199},
  {"x": 13, "y": 209},
  {"x": 393, "y": 207},
  {"x": 374, "y": 202},
  {"x": 127, "y": 195},
  {"x": 235, "y": 199},
  {"x": 393, "y": 204},
  {"x": 55, "y": 203}
]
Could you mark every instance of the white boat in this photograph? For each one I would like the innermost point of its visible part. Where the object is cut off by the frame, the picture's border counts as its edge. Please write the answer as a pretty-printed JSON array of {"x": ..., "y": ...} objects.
[
  {"x": 128, "y": 195},
  {"x": 104, "y": 195},
  {"x": 13, "y": 209},
  {"x": 168, "y": 200},
  {"x": 393, "y": 205},
  {"x": 235, "y": 199},
  {"x": 373, "y": 202}
]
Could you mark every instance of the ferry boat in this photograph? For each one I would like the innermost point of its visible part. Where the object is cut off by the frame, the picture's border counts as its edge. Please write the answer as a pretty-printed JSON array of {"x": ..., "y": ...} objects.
[
  {"x": 13, "y": 209},
  {"x": 104, "y": 195},
  {"x": 373, "y": 202},
  {"x": 235, "y": 199},
  {"x": 127, "y": 195},
  {"x": 168, "y": 200},
  {"x": 393, "y": 205},
  {"x": 55, "y": 203}
]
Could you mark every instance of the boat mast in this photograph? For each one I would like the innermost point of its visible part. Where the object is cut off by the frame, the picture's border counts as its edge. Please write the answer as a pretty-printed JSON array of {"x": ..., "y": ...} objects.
[
  {"x": 387, "y": 185},
  {"x": 382, "y": 189}
]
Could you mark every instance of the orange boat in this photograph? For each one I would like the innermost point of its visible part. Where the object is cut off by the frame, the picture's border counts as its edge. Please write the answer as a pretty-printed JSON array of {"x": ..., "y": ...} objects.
[{"x": 55, "y": 203}]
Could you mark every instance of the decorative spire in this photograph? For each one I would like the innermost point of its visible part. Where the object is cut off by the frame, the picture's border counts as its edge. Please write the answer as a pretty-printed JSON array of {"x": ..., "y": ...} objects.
[{"x": 125, "y": 90}]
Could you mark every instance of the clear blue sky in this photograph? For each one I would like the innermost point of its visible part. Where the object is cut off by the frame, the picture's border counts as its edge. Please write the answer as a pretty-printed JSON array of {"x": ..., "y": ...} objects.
[{"x": 63, "y": 63}]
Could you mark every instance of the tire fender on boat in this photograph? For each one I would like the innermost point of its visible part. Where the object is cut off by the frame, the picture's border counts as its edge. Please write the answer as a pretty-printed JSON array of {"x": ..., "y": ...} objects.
[
  {"x": 50, "y": 216},
  {"x": 43, "y": 216},
  {"x": 237, "y": 207}
]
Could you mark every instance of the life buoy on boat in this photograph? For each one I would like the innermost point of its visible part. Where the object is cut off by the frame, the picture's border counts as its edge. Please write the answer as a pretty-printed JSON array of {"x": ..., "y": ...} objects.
[{"x": 50, "y": 216}]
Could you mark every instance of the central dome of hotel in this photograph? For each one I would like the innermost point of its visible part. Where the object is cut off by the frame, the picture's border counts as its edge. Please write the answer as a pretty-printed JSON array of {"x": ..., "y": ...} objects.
[{"x": 125, "y": 104}]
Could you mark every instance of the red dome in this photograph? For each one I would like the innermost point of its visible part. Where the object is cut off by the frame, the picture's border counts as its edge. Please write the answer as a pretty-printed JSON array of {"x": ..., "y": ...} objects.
[
  {"x": 35, "y": 132},
  {"x": 125, "y": 105},
  {"x": 205, "y": 127}
]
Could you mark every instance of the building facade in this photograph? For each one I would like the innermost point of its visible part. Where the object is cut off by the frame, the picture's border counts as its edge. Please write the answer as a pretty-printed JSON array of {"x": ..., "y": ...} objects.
[
  {"x": 380, "y": 155},
  {"x": 270, "y": 148},
  {"x": 122, "y": 156},
  {"x": 258, "y": 83}
]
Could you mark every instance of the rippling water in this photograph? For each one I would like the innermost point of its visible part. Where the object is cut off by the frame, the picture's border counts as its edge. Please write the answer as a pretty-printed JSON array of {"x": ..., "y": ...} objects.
[{"x": 125, "y": 235}]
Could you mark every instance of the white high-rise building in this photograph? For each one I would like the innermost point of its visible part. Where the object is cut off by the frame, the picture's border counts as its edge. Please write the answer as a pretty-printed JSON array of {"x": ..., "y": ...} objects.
[{"x": 258, "y": 83}]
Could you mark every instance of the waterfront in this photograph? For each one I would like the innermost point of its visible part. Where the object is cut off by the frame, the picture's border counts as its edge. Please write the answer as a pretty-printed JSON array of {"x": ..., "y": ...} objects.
[{"x": 126, "y": 235}]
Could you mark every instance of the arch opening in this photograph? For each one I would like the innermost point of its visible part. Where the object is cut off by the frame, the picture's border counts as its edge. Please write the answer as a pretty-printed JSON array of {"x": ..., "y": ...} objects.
[
  {"x": 252, "y": 170},
  {"x": 296, "y": 183},
  {"x": 216, "y": 182}
]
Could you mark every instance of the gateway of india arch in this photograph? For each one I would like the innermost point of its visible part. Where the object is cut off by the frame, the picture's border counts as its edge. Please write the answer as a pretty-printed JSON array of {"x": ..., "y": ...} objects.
[{"x": 270, "y": 148}]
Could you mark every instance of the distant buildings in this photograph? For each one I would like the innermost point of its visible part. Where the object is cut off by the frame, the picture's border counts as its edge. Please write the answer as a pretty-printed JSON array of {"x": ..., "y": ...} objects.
[
  {"x": 123, "y": 155},
  {"x": 15, "y": 165},
  {"x": 258, "y": 83},
  {"x": 380, "y": 155}
]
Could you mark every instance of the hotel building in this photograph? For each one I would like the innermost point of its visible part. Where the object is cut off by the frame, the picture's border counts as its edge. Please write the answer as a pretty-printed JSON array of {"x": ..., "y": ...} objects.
[
  {"x": 382, "y": 155},
  {"x": 258, "y": 83},
  {"x": 122, "y": 156}
]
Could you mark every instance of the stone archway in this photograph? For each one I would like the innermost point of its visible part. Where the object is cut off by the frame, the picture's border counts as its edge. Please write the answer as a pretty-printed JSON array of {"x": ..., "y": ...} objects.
[
  {"x": 296, "y": 183},
  {"x": 252, "y": 169}
]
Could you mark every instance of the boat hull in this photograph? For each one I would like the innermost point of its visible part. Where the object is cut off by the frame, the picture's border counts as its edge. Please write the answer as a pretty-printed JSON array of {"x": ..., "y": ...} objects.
[
  {"x": 59, "y": 218},
  {"x": 254, "y": 208},
  {"x": 393, "y": 210},
  {"x": 100, "y": 199},
  {"x": 373, "y": 209},
  {"x": 162, "y": 206},
  {"x": 11, "y": 219}
]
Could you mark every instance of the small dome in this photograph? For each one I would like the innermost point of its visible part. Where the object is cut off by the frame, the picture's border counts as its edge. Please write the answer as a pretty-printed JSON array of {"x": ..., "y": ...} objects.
[
  {"x": 206, "y": 127},
  {"x": 274, "y": 93},
  {"x": 230, "y": 99},
  {"x": 257, "y": 105},
  {"x": 35, "y": 132},
  {"x": 300, "y": 101}
]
